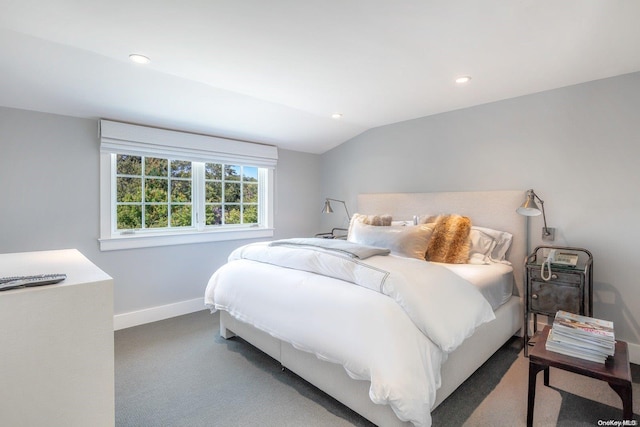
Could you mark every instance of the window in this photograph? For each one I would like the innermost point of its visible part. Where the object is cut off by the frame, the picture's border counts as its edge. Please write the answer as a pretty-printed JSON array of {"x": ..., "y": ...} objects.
[
  {"x": 152, "y": 193},
  {"x": 163, "y": 187},
  {"x": 231, "y": 194}
]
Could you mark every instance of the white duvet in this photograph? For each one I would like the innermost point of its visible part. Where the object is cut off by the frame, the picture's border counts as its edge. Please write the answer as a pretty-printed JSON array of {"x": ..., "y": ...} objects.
[{"x": 386, "y": 319}]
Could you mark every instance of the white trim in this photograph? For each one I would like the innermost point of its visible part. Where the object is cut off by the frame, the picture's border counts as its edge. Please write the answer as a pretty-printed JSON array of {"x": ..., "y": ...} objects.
[
  {"x": 107, "y": 194},
  {"x": 154, "y": 314},
  {"x": 634, "y": 353},
  {"x": 132, "y": 241}
]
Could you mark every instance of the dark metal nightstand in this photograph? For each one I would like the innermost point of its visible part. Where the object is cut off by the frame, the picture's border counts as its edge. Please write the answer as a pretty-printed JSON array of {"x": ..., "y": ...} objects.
[
  {"x": 335, "y": 233},
  {"x": 563, "y": 287}
]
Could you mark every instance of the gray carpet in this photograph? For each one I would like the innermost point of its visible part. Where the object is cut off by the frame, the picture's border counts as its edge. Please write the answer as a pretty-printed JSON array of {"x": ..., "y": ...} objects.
[{"x": 179, "y": 372}]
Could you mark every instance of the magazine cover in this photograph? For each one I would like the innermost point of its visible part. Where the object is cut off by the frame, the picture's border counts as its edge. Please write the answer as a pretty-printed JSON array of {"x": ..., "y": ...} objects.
[{"x": 583, "y": 325}]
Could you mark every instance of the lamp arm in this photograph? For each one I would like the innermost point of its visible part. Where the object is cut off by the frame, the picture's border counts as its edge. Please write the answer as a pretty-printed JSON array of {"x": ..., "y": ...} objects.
[
  {"x": 544, "y": 217},
  {"x": 344, "y": 204}
]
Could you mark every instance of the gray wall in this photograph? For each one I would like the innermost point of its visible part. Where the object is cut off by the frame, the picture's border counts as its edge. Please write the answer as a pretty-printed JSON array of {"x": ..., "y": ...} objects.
[
  {"x": 49, "y": 197},
  {"x": 578, "y": 147}
]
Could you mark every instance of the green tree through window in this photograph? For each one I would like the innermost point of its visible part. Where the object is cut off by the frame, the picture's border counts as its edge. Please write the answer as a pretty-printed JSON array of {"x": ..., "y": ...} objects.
[
  {"x": 158, "y": 193},
  {"x": 231, "y": 194},
  {"x": 167, "y": 188}
]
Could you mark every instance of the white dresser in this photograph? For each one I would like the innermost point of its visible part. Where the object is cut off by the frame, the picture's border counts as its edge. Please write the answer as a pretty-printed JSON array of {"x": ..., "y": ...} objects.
[{"x": 56, "y": 343}]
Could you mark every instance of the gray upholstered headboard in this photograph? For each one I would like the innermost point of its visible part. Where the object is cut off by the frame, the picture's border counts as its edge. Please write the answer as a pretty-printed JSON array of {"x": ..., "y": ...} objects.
[{"x": 493, "y": 209}]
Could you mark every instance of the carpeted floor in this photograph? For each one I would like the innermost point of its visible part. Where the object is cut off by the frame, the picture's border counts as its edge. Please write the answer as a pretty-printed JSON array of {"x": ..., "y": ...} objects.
[{"x": 179, "y": 372}]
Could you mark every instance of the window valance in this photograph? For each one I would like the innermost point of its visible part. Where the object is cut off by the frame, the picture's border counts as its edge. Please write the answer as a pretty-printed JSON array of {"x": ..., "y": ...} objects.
[{"x": 124, "y": 138}]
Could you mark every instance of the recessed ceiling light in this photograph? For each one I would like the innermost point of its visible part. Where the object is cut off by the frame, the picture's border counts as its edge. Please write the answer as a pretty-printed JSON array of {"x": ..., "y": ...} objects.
[
  {"x": 463, "y": 79},
  {"x": 336, "y": 115},
  {"x": 139, "y": 59}
]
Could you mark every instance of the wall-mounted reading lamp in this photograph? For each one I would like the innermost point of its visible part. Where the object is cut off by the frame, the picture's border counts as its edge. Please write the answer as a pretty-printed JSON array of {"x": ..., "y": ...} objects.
[
  {"x": 327, "y": 209},
  {"x": 530, "y": 208},
  {"x": 327, "y": 206}
]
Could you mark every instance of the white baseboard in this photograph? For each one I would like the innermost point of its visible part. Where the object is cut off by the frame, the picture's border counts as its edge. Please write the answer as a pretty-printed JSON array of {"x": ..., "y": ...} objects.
[
  {"x": 153, "y": 314},
  {"x": 634, "y": 353}
]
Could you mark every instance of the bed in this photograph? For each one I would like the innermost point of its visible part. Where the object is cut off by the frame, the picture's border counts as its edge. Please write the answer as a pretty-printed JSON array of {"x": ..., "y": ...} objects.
[{"x": 409, "y": 366}]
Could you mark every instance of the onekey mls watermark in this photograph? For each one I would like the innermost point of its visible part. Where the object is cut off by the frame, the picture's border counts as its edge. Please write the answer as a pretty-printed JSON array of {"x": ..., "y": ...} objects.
[{"x": 617, "y": 423}]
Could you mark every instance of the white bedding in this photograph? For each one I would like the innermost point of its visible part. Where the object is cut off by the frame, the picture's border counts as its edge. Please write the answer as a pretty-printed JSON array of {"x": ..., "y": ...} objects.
[
  {"x": 495, "y": 281},
  {"x": 374, "y": 337}
]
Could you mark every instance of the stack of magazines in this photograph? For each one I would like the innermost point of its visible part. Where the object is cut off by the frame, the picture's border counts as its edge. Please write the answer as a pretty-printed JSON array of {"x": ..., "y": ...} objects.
[{"x": 581, "y": 336}]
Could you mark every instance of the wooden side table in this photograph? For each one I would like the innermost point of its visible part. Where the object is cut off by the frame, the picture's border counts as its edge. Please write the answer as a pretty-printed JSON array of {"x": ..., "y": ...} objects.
[{"x": 616, "y": 372}]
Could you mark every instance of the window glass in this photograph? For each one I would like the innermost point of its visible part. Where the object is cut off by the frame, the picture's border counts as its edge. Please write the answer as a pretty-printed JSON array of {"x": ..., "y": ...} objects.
[
  {"x": 181, "y": 215},
  {"x": 129, "y": 217},
  {"x": 129, "y": 165},
  {"x": 214, "y": 214},
  {"x": 156, "y": 216},
  {"x": 156, "y": 190},
  {"x": 213, "y": 171},
  {"x": 230, "y": 193},
  {"x": 167, "y": 188},
  {"x": 155, "y": 167},
  {"x": 180, "y": 169},
  {"x": 250, "y": 214},
  {"x": 231, "y": 173}
]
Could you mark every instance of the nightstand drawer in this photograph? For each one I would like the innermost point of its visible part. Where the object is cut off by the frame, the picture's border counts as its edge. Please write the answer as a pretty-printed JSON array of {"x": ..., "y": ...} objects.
[
  {"x": 558, "y": 276},
  {"x": 549, "y": 297}
]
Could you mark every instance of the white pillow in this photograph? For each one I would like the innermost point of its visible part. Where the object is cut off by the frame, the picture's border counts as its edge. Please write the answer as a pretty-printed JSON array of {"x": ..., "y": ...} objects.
[
  {"x": 417, "y": 219},
  {"x": 491, "y": 244},
  {"x": 403, "y": 223},
  {"x": 426, "y": 218},
  {"x": 403, "y": 240},
  {"x": 481, "y": 247},
  {"x": 376, "y": 220}
]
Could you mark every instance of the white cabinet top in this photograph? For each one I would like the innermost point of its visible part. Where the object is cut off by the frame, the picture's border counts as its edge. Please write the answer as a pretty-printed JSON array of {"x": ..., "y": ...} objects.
[{"x": 68, "y": 261}]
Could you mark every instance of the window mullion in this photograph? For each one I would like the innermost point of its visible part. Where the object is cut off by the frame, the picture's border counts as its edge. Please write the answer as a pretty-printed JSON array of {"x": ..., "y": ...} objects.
[
  {"x": 143, "y": 195},
  {"x": 223, "y": 200},
  {"x": 169, "y": 183},
  {"x": 262, "y": 197},
  {"x": 198, "y": 195}
]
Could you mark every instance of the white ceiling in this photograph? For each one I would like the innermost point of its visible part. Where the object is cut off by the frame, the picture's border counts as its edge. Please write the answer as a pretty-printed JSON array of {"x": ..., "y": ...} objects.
[{"x": 274, "y": 71}]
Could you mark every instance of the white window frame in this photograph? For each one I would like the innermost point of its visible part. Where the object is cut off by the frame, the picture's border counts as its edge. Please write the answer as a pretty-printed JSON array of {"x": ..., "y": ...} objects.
[{"x": 122, "y": 138}]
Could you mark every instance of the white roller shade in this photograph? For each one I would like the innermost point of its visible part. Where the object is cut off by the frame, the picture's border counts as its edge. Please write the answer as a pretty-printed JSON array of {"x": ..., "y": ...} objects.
[{"x": 123, "y": 138}]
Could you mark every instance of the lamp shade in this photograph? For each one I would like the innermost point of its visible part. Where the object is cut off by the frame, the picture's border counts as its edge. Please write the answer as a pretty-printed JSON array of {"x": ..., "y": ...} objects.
[
  {"x": 529, "y": 207},
  {"x": 327, "y": 207}
]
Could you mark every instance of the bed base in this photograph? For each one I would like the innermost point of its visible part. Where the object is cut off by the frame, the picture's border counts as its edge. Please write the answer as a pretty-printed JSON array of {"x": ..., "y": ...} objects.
[{"x": 333, "y": 379}]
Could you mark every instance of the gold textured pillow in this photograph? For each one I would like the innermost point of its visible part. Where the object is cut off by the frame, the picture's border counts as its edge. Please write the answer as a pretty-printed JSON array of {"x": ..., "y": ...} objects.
[
  {"x": 378, "y": 220},
  {"x": 450, "y": 240}
]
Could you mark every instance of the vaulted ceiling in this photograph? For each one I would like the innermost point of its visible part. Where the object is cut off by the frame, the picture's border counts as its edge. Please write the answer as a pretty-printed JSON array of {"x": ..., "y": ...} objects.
[{"x": 275, "y": 71}]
